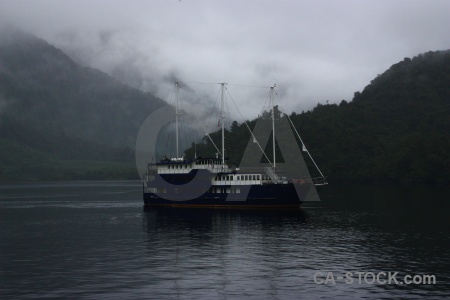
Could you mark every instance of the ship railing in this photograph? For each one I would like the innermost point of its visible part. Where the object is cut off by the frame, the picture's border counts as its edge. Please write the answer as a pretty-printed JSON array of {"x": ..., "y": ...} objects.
[
  {"x": 173, "y": 171},
  {"x": 251, "y": 169},
  {"x": 221, "y": 169}
]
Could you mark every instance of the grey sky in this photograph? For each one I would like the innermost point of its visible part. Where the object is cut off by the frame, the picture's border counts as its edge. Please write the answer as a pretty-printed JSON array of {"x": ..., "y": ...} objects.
[{"x": 313, "y": 50}]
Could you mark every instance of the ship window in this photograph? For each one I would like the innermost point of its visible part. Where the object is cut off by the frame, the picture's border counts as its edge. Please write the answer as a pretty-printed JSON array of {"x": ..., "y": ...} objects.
[
  {"x": 237, "y": 177},
  {"x": 238, "y": 190},
  {"x": 254, "y": 177}
]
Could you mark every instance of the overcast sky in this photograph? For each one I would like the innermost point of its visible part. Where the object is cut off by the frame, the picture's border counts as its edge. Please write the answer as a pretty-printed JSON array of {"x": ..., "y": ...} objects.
[{"x": 313, "y": 50}]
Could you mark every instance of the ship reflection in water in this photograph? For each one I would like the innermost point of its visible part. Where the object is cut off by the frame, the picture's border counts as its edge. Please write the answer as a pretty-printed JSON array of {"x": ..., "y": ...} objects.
[
  {"x": 93, "y": 240},
  {"x": 214, "y": 218}
]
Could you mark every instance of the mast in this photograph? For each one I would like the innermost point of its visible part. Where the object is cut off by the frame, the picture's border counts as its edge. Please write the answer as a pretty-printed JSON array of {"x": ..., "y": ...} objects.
[
  {"x": 177, "y": 87},
  {"x": 222, "y": 116},
  {"x": 272, "y": 103}
]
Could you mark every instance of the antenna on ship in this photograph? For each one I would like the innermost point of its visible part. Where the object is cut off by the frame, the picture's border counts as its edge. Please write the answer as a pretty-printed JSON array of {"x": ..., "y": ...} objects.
[
  {"x": 177, "y": 88},
  {"x": 222, "y": 116},
  {"x": 272, "y": 103}
]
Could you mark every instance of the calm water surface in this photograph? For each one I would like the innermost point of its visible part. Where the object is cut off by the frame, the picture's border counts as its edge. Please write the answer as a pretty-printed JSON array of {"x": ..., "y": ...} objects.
[{"x": 94, "y": 240}]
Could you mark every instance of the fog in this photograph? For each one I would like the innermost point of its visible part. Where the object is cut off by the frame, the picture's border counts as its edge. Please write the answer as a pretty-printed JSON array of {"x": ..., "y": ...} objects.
[{"x": 314, "y": 51}]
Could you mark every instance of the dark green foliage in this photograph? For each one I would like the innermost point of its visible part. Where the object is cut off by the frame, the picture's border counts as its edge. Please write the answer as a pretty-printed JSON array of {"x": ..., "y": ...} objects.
[
  {"x": 42, "y": 87},
  {"x": 396, "y": 129},
  {"x": 59, "y": 120},
  {"x": 52, "y": 110}
]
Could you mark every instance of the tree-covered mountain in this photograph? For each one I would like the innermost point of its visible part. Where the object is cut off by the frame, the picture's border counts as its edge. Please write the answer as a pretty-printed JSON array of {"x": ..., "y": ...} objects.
[
  {"x": 53, "y": 110},
  {"x": 396, "y": 129},
  {"x": 59, "y": 120}
]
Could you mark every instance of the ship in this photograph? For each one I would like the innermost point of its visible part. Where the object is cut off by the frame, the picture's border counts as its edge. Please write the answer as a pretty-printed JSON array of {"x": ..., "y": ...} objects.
[{"x": 211, "y": 182}]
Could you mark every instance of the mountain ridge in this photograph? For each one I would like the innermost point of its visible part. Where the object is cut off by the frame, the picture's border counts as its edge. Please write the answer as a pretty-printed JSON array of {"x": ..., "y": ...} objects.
[
  {"x": 56, "y": 115},
  {"x": 396, "y": 129},
  {"x": 53, "y": 111},
  {"x": 38, "y": 80}
]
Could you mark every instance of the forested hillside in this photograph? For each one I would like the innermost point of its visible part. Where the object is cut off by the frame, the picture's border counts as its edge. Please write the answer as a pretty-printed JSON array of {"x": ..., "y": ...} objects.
[
  {"x": 55, "y": 115},
  {"x": 59, "y": 120},
  {"x": 396, "y": 129}
]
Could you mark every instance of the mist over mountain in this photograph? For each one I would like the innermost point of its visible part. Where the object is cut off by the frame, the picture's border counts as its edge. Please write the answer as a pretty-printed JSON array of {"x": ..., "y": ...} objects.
[
  {"x": 52, "y": 108},
  {"x": 59, "y": 120},
  {"x": 396, "y": 129},
  {"x": 42, "y": 87}
]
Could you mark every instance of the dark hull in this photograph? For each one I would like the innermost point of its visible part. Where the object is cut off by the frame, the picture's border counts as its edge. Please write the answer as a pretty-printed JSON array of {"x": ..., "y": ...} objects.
[{"x": 251, "y": 196}]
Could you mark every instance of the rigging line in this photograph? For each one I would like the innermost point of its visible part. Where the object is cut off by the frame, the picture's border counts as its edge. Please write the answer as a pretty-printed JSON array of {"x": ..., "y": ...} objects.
[
  {"x": 254, "y": 138},
  {"x": 267, "y": 100},
  {"x": 182, "y": 120},
  {"x": 207, "y": 134},
  {"x": 252, "y": 86},
  {"x": 169, "y": 137},
  {"x": 182, "y": 133},
  {"x": 197, "y": 82},
  {"x": 303, "y": 145},
  {"x": 228, "y": 113},
  {"x": 213, "y": 108},
  {"x": 244, "y": 85}
]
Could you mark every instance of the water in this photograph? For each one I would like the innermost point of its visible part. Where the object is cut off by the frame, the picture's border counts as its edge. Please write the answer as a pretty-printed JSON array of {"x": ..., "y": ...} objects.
[{"x": 94, "y": 240}]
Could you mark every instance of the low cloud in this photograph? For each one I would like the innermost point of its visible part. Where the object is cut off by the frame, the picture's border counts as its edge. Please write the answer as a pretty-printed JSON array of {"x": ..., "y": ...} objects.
[{"x": 313, "y": 50}]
